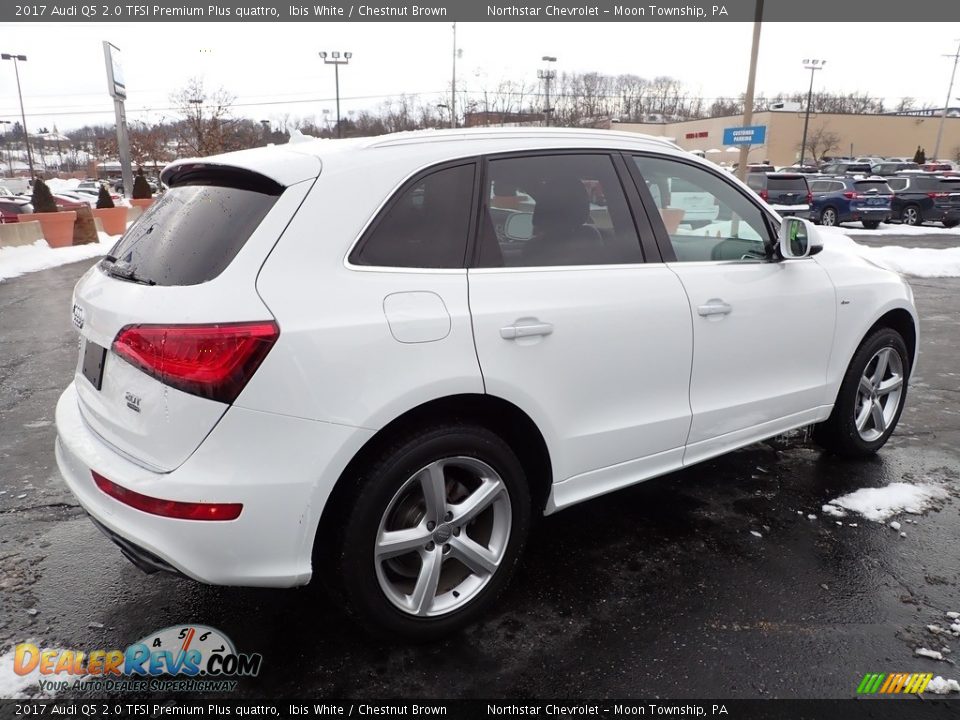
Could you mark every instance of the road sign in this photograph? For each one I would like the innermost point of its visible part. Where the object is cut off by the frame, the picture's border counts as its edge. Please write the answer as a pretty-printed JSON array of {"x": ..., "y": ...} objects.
[{"x": 750, "y": 135}]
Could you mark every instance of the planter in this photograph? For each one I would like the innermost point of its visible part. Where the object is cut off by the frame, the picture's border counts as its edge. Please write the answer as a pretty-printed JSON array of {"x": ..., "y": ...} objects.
[
  {"x": 114, "y": 220},
  {"x": 142, "y": 203},
  {"x": 57, "y": 226}
]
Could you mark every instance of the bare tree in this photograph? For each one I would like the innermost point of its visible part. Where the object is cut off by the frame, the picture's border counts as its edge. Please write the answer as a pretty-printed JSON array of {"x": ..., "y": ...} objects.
[
  {"x": 207, "y": 122},
  {"x": 820, "y": 142}
]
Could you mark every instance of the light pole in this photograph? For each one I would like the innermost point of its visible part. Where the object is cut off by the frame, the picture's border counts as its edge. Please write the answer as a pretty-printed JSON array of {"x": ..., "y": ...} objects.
[
  {"x": 751, "y": 82},
  {"x": 335, "y": 60},
  {"x": 23, "y": 116},
  {"x": 812, "y": 66},
  {"x": 547, "y": 75}
]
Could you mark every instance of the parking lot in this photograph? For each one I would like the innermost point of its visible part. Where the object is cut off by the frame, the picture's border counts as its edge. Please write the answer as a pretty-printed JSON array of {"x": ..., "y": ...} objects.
[{"x": 725, "y": 579}]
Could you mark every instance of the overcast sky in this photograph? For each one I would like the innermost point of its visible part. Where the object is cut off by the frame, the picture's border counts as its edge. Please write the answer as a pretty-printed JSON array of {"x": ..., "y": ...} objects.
[{"x": 273, "y": 68}]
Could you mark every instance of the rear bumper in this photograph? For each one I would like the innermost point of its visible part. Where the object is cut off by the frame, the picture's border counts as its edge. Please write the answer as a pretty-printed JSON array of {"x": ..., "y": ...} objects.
[{"x": 282, "y": 469}]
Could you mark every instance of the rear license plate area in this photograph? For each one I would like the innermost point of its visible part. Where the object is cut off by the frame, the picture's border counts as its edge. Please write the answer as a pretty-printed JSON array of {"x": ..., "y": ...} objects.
[{"x": 92, "y": 366}]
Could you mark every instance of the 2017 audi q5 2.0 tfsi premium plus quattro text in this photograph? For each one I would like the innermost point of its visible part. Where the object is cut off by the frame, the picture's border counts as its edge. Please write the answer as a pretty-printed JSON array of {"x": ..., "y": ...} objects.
[{"x": 372, "y": 362}]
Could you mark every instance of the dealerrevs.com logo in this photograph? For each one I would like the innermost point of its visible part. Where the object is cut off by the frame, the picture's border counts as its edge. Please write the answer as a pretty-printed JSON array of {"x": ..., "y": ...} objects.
[{"x": 181, "y": 657}]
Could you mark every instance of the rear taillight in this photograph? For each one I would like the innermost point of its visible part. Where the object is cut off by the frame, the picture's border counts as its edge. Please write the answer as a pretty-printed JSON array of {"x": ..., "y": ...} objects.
[
  {"x": 809, "y": 198},
  {"x": 764, "y": 196},
  {"x": 168, "y": 508},
  {"x": 935, "y": 195},
  {"x": 850, "y": 195},
  {"x": 213, "y": 361}
]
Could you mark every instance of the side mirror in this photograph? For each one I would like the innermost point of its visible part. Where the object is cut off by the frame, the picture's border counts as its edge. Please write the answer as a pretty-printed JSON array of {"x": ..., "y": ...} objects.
[
  {"x": 798, "y": 238},
  {"x": 518, "y": 227}
]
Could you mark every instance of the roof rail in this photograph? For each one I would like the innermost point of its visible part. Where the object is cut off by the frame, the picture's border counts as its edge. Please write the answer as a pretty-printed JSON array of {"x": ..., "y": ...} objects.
[{"x": 419, "y": 136}]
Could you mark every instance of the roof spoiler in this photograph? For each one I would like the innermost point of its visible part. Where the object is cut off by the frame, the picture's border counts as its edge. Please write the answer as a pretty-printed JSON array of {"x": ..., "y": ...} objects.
[{"x": 202, "y": 173}]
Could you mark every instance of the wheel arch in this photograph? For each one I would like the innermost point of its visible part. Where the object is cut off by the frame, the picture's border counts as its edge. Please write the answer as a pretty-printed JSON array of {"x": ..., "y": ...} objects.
[
  {"x": 904, "y": 323},
  {"x": 496, "y": 414}
]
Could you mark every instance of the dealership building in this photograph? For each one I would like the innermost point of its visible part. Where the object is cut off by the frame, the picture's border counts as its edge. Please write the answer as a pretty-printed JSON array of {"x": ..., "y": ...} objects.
[{"x": 881, "y": 135}]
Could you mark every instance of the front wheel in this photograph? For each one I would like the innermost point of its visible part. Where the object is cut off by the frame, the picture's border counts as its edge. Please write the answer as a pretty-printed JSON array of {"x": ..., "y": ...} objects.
[
  {"x": 871, "y": 397},
  {"x": 434, "y": 533},
  {"x": 871, "y": 224}
]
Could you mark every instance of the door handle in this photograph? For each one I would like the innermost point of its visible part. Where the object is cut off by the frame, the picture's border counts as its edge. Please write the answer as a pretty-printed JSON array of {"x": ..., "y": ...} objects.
[
  {"x": 525, "y": 328},
  {"x": 714, "y": 307}
]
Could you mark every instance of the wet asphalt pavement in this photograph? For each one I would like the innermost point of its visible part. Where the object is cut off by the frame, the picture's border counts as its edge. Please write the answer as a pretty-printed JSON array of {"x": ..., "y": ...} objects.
[{"x": 658, "y": 590}]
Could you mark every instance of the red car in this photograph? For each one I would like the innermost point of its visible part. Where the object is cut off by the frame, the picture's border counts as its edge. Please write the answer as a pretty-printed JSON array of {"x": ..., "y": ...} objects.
[{"x": 12, "y": 208}]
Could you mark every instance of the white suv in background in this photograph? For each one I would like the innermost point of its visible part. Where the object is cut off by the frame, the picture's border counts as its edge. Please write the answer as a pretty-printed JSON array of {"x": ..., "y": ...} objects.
[{"x": 373, "y": 361}]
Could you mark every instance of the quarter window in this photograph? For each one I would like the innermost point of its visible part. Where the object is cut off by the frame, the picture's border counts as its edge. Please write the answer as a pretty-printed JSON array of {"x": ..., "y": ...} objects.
[
  {"x": 711, "y": 219},
  {"x": 556, "y": 210},
  {"x": 426, "y": 226}
]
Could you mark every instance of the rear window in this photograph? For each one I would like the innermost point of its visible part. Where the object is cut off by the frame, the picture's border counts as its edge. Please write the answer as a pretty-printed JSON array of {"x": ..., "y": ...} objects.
[
  {"x": 190, "y": 235},
  {"x": 872, "y": 185},
  {"x": 945, "y": 185},
  {"x": 788, "y": 184}
]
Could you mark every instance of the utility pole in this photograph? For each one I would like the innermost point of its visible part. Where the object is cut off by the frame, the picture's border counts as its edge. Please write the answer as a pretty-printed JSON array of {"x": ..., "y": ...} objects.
[
  {"x": 751, "y": 80},
  {"x": 336, "y": 61},
  {"x": 943, "y": 115},
  {"x": 547, "y": 76},
  {"x": 453, "y": 82},
  {"x": 812, "y": 66}
]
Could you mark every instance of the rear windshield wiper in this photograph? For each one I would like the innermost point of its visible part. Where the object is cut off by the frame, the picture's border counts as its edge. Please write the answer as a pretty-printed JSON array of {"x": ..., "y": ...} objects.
[{"x": 124, "y": 272}]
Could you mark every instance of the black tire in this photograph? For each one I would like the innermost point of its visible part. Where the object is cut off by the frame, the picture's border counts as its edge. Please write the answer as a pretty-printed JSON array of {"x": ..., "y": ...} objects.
[
  {"x": 352, "y": 570},
  {"x": 839, "y": 433},
  {"x": 871, "y": 224},
  {"x": 951, "y": 223},
  {"x": 911, "y": 215}
]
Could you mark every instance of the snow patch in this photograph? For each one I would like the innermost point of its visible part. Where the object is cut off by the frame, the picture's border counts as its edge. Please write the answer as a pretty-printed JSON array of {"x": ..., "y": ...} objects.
[
  {"x": 756, "y": 534},
  {"x": 22, "y": 259},
  {"x": 932, "y": 654},
  {"x": 833, "y": 511},
  {"x": 942, "y": 686},
  {"x": 878, "y": 504}
]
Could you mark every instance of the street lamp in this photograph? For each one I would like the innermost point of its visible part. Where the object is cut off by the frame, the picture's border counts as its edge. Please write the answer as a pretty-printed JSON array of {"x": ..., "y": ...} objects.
[
  {"x": 23, "y": 117},
  {"x": 812, "y": 66},
  {"x": 335, "y": 60},
  {"x": 547, "y": 75}
]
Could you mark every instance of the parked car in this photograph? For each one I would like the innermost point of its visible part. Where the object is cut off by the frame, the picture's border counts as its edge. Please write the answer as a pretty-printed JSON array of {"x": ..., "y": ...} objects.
[
  {"x": 936, "y": 167},
  {"x": 848, "y": 199},
  {"x": 254, "y": 407},
  {"x": 68, "y": 202},
  {"x": 87, "y": 198},
  {"x": 869, "y": 159},
  {"x": 11, "y": 208},
  {"x": 787, "y": 193},
  {"x": 95, "y": 192},
  {"x": 846, "y": 168},
  {"x": 892, "y": 168},
  {"x": 803, "y": 169},
  {"x": 699, "y": 207},
  {"x": 920, "y": 198}
]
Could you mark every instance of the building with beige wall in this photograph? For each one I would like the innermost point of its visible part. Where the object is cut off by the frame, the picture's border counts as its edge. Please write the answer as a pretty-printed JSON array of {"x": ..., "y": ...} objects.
[{"x": 882, "y": 135}]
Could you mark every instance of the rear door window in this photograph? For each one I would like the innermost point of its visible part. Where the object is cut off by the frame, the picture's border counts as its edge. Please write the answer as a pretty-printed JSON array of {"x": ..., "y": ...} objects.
[
  {"x": 897, "y": 184},
  {"x": 950, "y": 186},
  {"x": 865, "y": 186},
  {"x": 190, "y": 235}
]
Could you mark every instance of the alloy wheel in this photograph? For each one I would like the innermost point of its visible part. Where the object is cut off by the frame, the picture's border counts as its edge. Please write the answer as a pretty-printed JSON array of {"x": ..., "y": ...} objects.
[
  {"x": 878, "y": 395},
  {"x": 443, "y": 536},
  {"x": 911, "y": 216},
  {"x": 829, "y": 217}
]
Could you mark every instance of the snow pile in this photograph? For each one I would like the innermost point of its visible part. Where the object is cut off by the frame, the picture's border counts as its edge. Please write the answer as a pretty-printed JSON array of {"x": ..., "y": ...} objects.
[
  {"x": 833, "y": 511},
  {"x": 56, "y": 184},
  {"x": 857, "y": 228},
  {"x": 22, "y": 259},
  {"x": 932, "y": 654},
  {"x": 878, "y": 504},
  {"x": 919, "y": 262},
  {"x": 941, "y": 686}
]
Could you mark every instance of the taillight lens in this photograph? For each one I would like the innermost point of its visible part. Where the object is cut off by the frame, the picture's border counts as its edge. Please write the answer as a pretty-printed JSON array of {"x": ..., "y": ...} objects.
[
  {"x": 935, "y": 195},
  {"x": 809, "y": 198},
  {"x": 764, "y": 196},
  {"x": 168, "y": 508},
  {"x": 213, "y": 361}
]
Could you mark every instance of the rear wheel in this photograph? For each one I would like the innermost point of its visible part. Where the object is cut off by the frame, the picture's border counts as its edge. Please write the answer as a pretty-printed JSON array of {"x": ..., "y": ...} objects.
[
  {"x": 434, "y": 533},
  {"x": 871, "y": 397},
  {"x": 951, "y": 223},
  {"x": 828, "y": 217},
  {"x": 911, "y": 215},
  {"x": 871, "y": 224}
]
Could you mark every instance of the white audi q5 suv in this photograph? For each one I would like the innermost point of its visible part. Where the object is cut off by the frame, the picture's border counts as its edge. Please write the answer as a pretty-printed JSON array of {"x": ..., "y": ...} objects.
[{"x": 375, "y": 360}]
